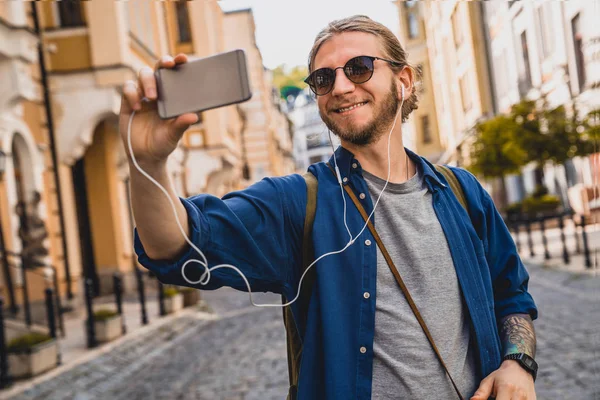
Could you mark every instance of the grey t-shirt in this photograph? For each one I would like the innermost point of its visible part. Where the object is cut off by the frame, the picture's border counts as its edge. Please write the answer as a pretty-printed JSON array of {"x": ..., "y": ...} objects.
[{"x": 404, "y": 365}]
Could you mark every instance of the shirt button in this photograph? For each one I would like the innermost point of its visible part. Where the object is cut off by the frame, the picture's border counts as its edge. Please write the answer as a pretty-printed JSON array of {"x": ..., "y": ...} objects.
[
  {"x": 368, "y": 242},
  {"x": 345, "y": 180},
  {"x": 362, "y": 196},
  {"x": 366, "y": 295},
  {"x": 354, "y": 165},
  {"x": 363, "y": 349}
]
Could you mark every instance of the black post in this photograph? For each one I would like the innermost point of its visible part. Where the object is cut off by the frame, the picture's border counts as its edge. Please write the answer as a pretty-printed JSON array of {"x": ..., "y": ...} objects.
[
  {"x": 529, "y": 239},
  {"x": 575, "y": 229},
  {"x": 561, "y": 224},
  {"x": 26, "y": 306},
  {"x": 59, "y": 310},
  {"x": 14, "y": 309},
  {"x": 4, "y": 376},
  {"x": 141, "y": 294},
  {"x": 161, "y": 299},
  {"x": 544, "y": 240},
  {"x": 52, "y": 144},
  {"x": 118, "y": 298},
  {"x": 91, "y": 332},
  {"x": 586, "y": 249},
  {"x": 50, "y": 312}
]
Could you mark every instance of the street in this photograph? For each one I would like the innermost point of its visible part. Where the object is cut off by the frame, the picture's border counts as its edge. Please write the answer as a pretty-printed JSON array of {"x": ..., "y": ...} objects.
[{"x": 241, "y": 354}]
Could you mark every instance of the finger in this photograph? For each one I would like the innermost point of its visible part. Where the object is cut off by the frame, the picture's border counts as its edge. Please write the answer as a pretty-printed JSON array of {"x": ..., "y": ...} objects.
[
  {"x": 131, "y": 97},
  {"x": 181, "y": 58},
  {"x": 164, "y": 62},
  {"x": 183, "y": 122},
  {"x": 485, "y": 389},
  {"x": 147, "y": 82}
]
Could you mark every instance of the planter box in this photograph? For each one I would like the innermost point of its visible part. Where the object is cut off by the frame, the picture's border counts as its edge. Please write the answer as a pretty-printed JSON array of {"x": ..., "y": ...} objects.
[
  {"x": 190, "y": 297},
  {"x": 34, "y": 361},
  {"x": 173, "y": 303},
  {"x": 108, "y": 329}
]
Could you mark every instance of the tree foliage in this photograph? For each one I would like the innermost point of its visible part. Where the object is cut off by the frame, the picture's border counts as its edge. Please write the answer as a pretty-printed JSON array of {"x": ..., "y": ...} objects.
[{"x": 289, "y": 81}]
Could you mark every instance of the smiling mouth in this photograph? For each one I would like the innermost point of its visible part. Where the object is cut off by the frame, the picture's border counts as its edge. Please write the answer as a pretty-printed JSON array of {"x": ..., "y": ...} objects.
[{"x": 353, "y": 107}]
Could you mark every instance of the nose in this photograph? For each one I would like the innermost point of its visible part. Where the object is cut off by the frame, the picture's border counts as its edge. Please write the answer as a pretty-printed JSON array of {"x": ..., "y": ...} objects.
[{"x": 342, "y": 84}]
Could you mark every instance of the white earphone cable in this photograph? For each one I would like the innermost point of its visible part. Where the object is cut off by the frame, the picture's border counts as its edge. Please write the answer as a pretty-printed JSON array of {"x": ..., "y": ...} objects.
[{"x": 205, "y": 277}]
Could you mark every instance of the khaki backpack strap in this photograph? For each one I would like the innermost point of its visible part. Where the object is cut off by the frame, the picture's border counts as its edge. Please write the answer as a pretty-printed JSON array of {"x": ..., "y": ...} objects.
[
  {"x": 294, "y": 340},
  {"x": 454, "y": 185},
  {"x": 399, "y": 280}
]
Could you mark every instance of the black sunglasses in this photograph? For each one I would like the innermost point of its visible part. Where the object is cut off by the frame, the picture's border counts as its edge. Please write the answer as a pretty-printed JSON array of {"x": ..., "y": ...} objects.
[{"x": 358, "y": 70}]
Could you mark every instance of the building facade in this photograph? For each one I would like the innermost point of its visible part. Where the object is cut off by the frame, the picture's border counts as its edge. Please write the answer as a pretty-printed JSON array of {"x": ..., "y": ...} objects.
[{"x": 63, "y": 157}]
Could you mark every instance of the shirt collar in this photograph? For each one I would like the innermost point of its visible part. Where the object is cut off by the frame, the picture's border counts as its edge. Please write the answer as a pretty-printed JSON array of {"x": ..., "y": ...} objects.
[{"x": 345, "y": 161}]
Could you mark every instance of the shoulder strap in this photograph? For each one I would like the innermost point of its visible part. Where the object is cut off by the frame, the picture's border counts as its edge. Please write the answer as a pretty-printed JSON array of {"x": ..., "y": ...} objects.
[
  {"x": 294, "y": 339},
  {"x": 399, "y": 280},
  {"x": 454, "y": 185}
]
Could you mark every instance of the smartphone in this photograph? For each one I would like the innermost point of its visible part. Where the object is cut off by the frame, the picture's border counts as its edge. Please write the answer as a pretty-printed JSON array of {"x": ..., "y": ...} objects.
[{"x": 203, "y": 84}]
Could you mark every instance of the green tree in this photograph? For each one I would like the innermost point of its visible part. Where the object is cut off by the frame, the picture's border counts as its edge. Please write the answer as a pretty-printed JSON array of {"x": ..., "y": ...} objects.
[
  {"x": 495, "y": 153},
  {"x": 289, "y": 81}
]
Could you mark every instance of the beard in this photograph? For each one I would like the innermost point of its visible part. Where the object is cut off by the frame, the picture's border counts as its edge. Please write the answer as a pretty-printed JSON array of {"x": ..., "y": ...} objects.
[{"x": 383, "y": 117}]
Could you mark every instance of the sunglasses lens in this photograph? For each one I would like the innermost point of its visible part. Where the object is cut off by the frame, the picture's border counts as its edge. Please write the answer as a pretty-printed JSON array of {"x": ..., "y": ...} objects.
[
  {"x": 359, "y": 69},
  {"x": 322, "y": 81}
]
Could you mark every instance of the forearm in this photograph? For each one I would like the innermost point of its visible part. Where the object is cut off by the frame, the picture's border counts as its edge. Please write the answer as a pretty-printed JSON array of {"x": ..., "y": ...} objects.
[
  {"x": 517, "y": 335},
  {"x": 153, "y": 214}
]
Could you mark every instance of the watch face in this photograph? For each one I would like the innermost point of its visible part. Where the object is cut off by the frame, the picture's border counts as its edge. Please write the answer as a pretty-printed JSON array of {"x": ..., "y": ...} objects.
[{"x": 528, "y": 361}]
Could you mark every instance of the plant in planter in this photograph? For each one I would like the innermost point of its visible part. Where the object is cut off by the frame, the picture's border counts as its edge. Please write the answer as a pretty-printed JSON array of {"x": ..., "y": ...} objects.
[
  {"x": 173, "y": 300},
  {"x": 107, "y": 324},
  {"x": 191, "y": 296},
  {"x": 31, "y": 354}
]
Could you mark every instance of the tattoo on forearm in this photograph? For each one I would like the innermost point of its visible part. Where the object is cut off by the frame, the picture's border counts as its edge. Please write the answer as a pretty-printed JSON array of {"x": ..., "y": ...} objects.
[{"x": 517, "y": 334}]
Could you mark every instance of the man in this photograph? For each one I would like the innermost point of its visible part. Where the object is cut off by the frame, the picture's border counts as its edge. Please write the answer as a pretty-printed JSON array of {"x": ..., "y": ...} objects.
[{"x": 361, "y": 339}]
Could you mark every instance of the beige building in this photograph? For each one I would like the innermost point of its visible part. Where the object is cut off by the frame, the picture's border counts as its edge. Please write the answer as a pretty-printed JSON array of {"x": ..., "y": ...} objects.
[
  {"x": 267, "y": 138},
  {"x": 90, "y": 49}
]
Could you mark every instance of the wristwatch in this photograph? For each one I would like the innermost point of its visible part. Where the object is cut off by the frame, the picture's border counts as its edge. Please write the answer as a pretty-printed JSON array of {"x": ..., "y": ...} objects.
[{"x": 527, "y": 362}]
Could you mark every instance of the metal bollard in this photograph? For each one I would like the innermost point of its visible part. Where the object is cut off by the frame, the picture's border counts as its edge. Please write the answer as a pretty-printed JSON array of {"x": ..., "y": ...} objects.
[
  {"x": 25, "y": 292},
  {"x": 91, "y": 331},
  {"x": 544, "y": 239},
  {"x": 161, "y": 299},
  {"x": 50, "y": 312},
  {"x": 586, "y": 248},
  {"x": 141, "y": 294},
  {"x": 561, "y": 225},
  {"x": 576, "y": 233},
  {"x": 4, "y": 375},
  {"x": 118, "y": 288},
  {"x": 529, "y": 239}
]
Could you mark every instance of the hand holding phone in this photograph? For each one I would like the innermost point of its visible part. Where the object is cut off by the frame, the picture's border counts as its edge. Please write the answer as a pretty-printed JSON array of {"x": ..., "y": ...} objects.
[{"x": 166, "y": 100}]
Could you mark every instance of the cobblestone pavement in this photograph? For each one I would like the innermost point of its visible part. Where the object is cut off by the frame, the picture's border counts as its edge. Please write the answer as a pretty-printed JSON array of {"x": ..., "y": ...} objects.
[{"x": 241, "y": 355}]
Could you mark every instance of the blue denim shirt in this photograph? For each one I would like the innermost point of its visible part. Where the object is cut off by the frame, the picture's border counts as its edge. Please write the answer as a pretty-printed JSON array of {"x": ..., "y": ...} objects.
[{"x": 259, "y": 230}]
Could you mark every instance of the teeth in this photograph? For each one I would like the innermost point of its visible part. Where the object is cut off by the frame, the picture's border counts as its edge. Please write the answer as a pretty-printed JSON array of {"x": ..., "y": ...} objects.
[{"x": 351, "y": 107}]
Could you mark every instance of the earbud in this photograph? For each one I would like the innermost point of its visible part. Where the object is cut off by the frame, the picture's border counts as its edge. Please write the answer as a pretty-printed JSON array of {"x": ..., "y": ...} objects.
[{"x": 402, "y": 84}]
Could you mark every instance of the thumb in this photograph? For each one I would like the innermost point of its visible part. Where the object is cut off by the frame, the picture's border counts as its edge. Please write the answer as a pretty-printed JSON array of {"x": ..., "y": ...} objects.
[
  {"x": 485, "y": 389},
  {"x": 181, "y": 124}
]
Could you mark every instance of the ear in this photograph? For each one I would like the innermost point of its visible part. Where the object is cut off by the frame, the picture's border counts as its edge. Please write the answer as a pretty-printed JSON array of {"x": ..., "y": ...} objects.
[{"x": 405, "y": 77}]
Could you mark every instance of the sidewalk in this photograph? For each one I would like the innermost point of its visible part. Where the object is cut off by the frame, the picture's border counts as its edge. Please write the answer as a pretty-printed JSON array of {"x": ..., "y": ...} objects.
[{"x": 73, "y": 347}]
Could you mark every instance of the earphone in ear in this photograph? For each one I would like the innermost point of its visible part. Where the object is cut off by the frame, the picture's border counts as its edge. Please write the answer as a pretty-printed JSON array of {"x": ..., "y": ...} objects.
[{"x": 402, "y": 84}]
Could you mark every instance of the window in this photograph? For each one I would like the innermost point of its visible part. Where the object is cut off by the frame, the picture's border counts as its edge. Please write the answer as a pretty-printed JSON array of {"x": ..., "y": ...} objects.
[
  {"x": 412, "y": 20},
  {"x": 70, "y": 13},
  {"x": 426, "y": 129},
  {"x": 465, "y": 93},
  {"x": 525, "y": 79},
  {"x": 457, "y": 28},
  {"x": 183, "y": 22},
  {"x": 141, "y": 12},
  {"x": 578, "y": 47},
  {"x": 544, "y": 17}
]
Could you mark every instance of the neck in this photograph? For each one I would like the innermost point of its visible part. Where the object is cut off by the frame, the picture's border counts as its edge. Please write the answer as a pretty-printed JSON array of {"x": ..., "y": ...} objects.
[{"x": 374, "y": 157}]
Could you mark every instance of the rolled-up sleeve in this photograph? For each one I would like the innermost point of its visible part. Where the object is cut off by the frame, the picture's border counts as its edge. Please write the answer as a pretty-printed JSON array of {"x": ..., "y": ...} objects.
[{"x": 258, "y": 230}]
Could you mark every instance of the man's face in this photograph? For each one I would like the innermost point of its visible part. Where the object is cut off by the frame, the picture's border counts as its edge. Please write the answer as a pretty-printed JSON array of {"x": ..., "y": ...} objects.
[{"x": 376, "y": 101}]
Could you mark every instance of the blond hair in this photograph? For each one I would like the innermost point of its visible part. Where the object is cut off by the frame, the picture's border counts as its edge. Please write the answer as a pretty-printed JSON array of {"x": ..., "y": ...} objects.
[{"x": 391, "y": 47}]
